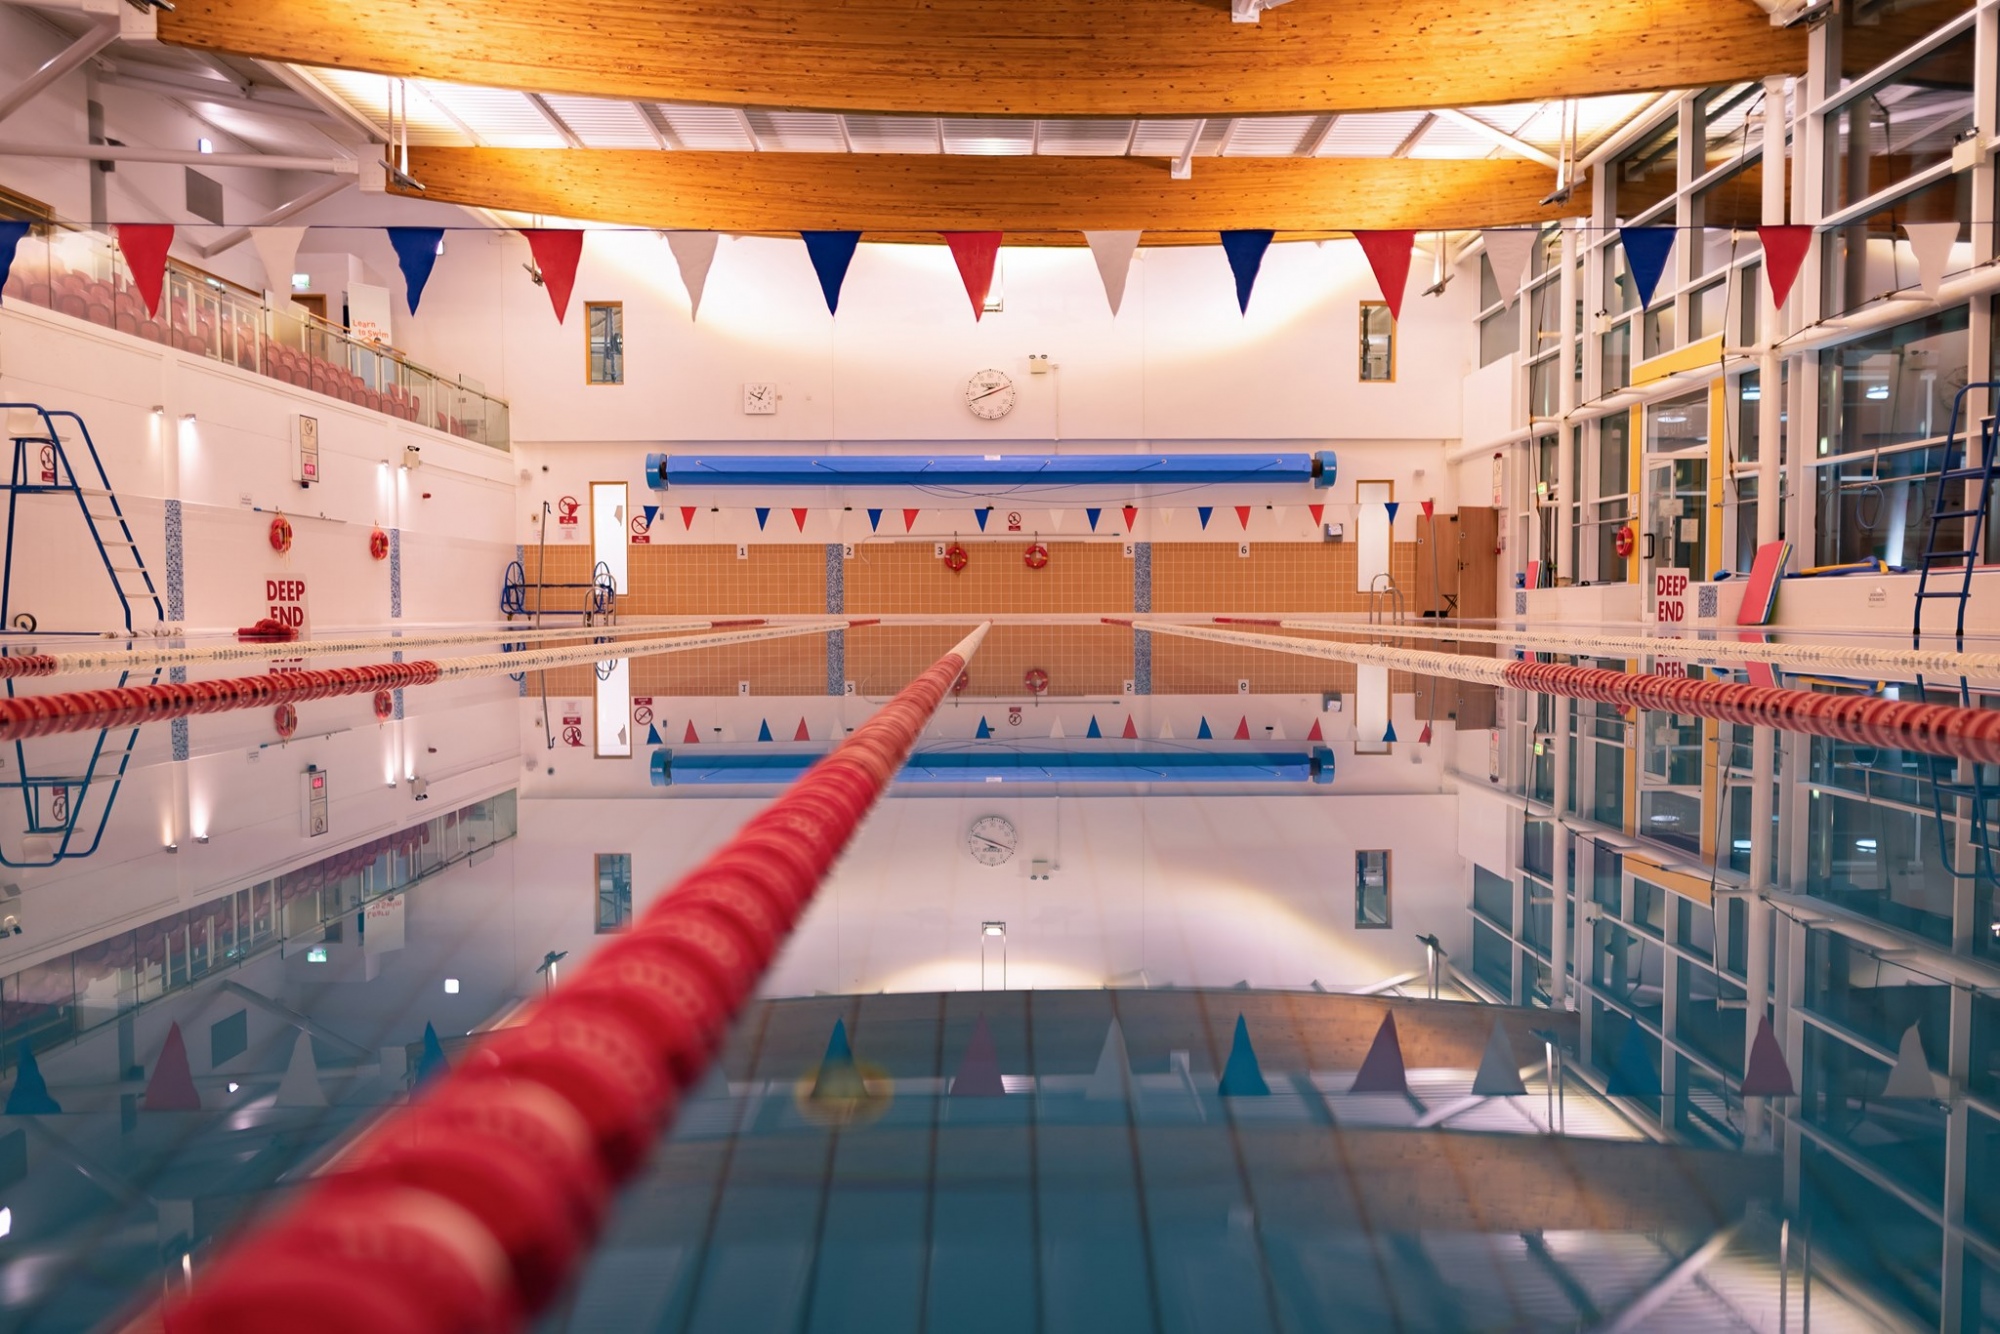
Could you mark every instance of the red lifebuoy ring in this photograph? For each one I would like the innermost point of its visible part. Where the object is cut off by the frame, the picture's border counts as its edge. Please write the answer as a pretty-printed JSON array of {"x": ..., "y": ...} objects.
[
  {"x": 385, "y": 705},
  {"x": 281, "y": 534},
  {"x": 964, "y": 680},
  {"x": 1036, "y": 680},
  {"x": 286, "y": 719},
  {"x": 956, "y": 557},
  {"x": 1036, "y": 556},
  {"x": 1623, "y": 541},
  {"x": 378, "y": 544}
]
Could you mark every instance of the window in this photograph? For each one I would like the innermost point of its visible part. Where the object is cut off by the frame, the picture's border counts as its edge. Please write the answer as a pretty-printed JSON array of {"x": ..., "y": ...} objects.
[
  {"x": 1371, "y": 889},
  {"x": 604, "y": 323},
  {"x": 614, "y": 891},
  {"x": 1378, "y": 343}
]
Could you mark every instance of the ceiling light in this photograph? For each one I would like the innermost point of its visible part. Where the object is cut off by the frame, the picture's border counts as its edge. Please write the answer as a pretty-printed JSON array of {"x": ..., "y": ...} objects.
[
  {"x": 451, "y": 986},
  {"x": 173, "y": 847},
  {"x": 302, "y": 282},
  {"x": 317, "y": 954},
  {"x": 233, "y": 1086},
  {"x": 204, "y": 145},
  {"x": 998, "y": 929}
]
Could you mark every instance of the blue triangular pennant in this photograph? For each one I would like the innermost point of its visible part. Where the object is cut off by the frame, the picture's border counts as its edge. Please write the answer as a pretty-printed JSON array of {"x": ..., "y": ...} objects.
[
  {"x": 1646, "y": 250},
  {"x": 831, "y": 253},
  {"x": 10, "y": 237},
  {"x": 982, "y": 516},
  {"x": 838, "y": 1077},
  {"x": 1241, "y": 1077},
  {"x": 1389, "y": 733},
  {"x": 985, "y": 729},
  {"x": 1092, "y": 516},
  {"x": 1246, "y": 255},
  {"x": 431, "y": 1063},
  {"x": 1392, "y": 506},
  {"x": 417, "y": 254},
  {"x": 1633, "y": 1073},
  {"x": 1095, "y": 730},
  {"x": 30, "y": 1094},
  {"x": 652, "y": 512},
  {"x": 763, "y": 513},
  {"x": 1204, "y": 734},
  {"x": 764, "y": 730},
  {"x": 874, "y": 520},
  {"x": 1204, "y": 511},
  {"x": 653, "y": 737}
]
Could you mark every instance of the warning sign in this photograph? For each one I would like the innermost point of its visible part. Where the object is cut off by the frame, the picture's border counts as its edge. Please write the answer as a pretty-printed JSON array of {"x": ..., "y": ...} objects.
[
  {"x": 566, "y": 509},
  {"x": 572, "y": 729},
  {"x": 1670, "y": 589},
  {"x": 642, "y": 710}
]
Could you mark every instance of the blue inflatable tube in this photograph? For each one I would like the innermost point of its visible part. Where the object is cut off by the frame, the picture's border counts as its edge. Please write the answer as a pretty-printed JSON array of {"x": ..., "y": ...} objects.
[
  {"x": 690, "y": 767},
  {"x": 665, "y": 471}
]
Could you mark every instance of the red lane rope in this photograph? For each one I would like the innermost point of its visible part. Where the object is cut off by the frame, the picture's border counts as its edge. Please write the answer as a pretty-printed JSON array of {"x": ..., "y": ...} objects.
[
  {"x": 129, "y": 706},
  {"x": 29, "y": 664},
  {"x": 467, "y": 1210},
  {"x": 1933, "y": 729}
]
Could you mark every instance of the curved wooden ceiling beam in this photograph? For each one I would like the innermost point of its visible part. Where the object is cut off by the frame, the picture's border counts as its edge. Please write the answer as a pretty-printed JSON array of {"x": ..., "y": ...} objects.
[
  {"x": 1032, "y": 199},
  {"x": 1020, "y": 57}
]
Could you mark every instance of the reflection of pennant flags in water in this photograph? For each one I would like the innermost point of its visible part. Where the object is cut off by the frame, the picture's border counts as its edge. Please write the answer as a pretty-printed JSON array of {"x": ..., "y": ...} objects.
[
  {"x": 764, "y": 729},
  {"x": 1392, "y": 506},
  {"x": 874, "y": 520},
  {"x": 1389, "y": 732},
  {"x": 975, "y": 253},
  {"x": 1275, "y": 732},
  {"x": 1318, "y": 512},
  {"x": 800, "y": 733},
  {"x": 799, "y": 518},
  {"x": 1167, "y": 730},
  {"x": 1646, "y": 250},
  {"x": 1245, "y": 250},
  {"x": 831, "y": 253},
  {"x": 979, "y": 1069},
  {"x": 1424, "y": 737},
  {"x": 1243, "y": 516},
  {"x": 1784, "y": 251},
  {"x": 985, "y": 729},
  {"x": 1911, "y": 1077},
  {"x": 1056, "y": 732},
  {"x": 416, "y": 255},
  {"x": 653, "y": 737},
  {"x": 910, "y": 519},
  {"x": 1203, "y": 512},
  {"x": 1242, "y": 729},
  {"x": 1382, "y": 1069},
  {"x": 557, "y": 252},
  {"x": 1131, "y": 732},
  {"x": 1635, "y": 1072},
  {"x": 838, "y": 1076},
  {"x": 983, "y": 515},
  {"x": 763, "y": 513},
  {"x": 1314, "y": 734},
  {"x": 1092, "y": 516},
  {"x": 300, "y": 1087},
  {"x": 1204, "y": 734},
  {"x": 1113, "y": 1076},
  {"x": 171, "y": 1089},
  {"x": 1388, "y": 255},
  {"x": 1241, "y": 1077},
  {"x": 1498, "y": 1076},
  {"x": 30, "y": 1094},
  {"x": 1765, "y": 1074},
  {"x": 687, "y": 516},
  {"x": 690, "y": 738},
  {"x": 1131, "y": 512},
  {"x": 431, "y": 1063},
  {"x": 1093, "y": 730}
]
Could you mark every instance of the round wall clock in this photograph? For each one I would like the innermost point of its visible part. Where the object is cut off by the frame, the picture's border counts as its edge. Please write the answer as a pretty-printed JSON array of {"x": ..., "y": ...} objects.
[
  {"x": 990, "y": 840},
  {"x": 989, "y": 395}
]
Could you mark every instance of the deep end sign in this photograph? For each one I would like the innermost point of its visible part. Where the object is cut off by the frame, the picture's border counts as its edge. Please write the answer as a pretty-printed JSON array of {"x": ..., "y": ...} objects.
[
  {"x": 1670, "y": 590},
  {"x": 285, "y": 602}
]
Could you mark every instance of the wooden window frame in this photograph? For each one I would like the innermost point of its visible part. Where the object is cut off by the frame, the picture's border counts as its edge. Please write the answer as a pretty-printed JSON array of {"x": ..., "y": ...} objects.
[
  {"x": 1361, "y": 361},
  {"x": 588, "y": 307},
  {"x": 1388, "y": 889},
  {"x": 597, "y": 894}
]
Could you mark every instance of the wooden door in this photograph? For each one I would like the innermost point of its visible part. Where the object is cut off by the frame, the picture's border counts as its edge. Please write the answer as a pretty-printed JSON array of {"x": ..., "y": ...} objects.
[
  {"x": 1437, "y": 566},
  {"x": 1478, "y": 563},
  {"x": 313, "y": 302}
]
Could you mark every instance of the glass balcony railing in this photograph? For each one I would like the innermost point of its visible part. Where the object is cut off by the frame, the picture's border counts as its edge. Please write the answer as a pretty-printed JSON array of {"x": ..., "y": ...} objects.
[{"x": 82, "y": 275}]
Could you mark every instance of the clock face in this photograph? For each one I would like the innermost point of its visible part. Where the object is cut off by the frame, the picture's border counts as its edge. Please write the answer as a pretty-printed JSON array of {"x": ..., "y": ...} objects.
[
  {"x": 990, "y": 840},
  {"x": 990, "y": 395},
  {"x": 760, "y": 399}
]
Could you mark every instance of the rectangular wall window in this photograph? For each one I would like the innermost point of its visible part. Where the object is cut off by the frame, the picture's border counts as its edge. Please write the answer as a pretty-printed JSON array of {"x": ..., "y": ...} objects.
[
  {"x": 1371, "y": 889},
  {"x": 604, "y": 326},
  {"x": 1378, "y": 343},
  {"x": 614, "y": 891}
]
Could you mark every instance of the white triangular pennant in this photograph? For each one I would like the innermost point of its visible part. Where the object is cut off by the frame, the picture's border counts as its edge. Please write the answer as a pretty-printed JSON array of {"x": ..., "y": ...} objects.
[
  {"x": 1055, "y": 521},
  {"x": 300, "y": 1086},
  {"x": 278, "y": 247},
  {"x": 1113, "y": 1076},
  {"x": 1167, "y": 731},
  {"x": 1056, "y": 732},
  {"x": 1507, "y": 250},
  {"x": 1277, "y": 732},
  {"x": 1912, "y": 1077},
  {"x": 1166, "y": 515},
  {"x": 1113, "y": 252},
  {"x": 1931, "y": 243},
  {"x": 694, "y": 252},
  {"x": 1498, "y": 1076},
  {"x": 1278, "y": 513}
]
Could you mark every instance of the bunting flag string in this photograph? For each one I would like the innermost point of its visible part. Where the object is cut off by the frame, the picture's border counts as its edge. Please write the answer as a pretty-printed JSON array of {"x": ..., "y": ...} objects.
[
  {"x": 1091, "y": 514},
  {"x": 1784, "y": 252},
  {"x": 799, "y": 518},
  {"x": 983, "y": 514},
  {"x": 416, "y": 255},
  {"x": 10, "y": 238},
  {"x": 693, "y": 252},
  {"x": 278, "y": 248},
  {"x": 1507, "y": 251},
  {"x": 975, "y": 253},
  {"x": 1646, "y": 251},
  {"x": 874, "y": 520},
  {"x": 1245, "y": 250},
  {"x": 1318, "y": 512},
  {"x": 763, "y": 513},
  {"x": 557, "y": 252},
  {"x": 1130, "y": 512},
  {"x": 1388, "y": 255},
  {"x": 910, "y": 519},
  {"x": 1931, "y": 243},
  {"x": 1113, "y": 252},
  {"x": 1243, "y": 517},
  {"x": 831, "y": 253},
  {"x": 1204, "y": 733},
  {"x": 145, "y": 246},
  {"x": 1203, "y": 512},
  {"x": 687, "y": 517}
]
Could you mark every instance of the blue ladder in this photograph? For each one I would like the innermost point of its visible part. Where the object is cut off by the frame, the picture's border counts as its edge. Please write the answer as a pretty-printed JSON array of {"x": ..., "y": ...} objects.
[
  {"x": 1971, "y": 504},
  {"x": 42, "y": 467},
  {"x": 53, "y": 806}
]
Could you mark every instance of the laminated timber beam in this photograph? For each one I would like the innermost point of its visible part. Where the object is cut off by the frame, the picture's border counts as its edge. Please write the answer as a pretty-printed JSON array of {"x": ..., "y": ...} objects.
[
  {"x": 1049, "y": 200},
  {"x": 1020, "y": 57}
]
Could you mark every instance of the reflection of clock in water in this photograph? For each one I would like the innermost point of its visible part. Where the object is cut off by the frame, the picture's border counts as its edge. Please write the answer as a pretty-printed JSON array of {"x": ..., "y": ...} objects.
[{"x": 990, "y": 840}]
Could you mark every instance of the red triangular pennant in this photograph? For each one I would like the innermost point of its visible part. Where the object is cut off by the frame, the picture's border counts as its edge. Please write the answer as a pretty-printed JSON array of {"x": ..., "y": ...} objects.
[
  {"x": 145, "y": 246},
  {"x": 687, "y": 516},
  {"x": 1131, "y": 512},
  {"x": 557, "y": 252},
  {"x": 1382, "y": 1069},
  {"x": 801, "y": 734},
  {"x": 910, "y": 519},
  {"x": 690, "y": 739},
  {"x": 171, "y": 1089},
  {"x": 1316, "y": 511},
  {"x": 1130, "y": 733},
  {"x": 799, "y": 518},
  {"x": 1766, "y": 1075},
  {"x": 1314, "y": 734},
  {"x": 1243, "y": 516},
  {"x": 975, "y": 253},
  {"x": 1389, "y": 256},
  {"x": 1424, "y": 737},
  {"x": 1242, "y": 729},
  {"x": 1784, "y": 252}
]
